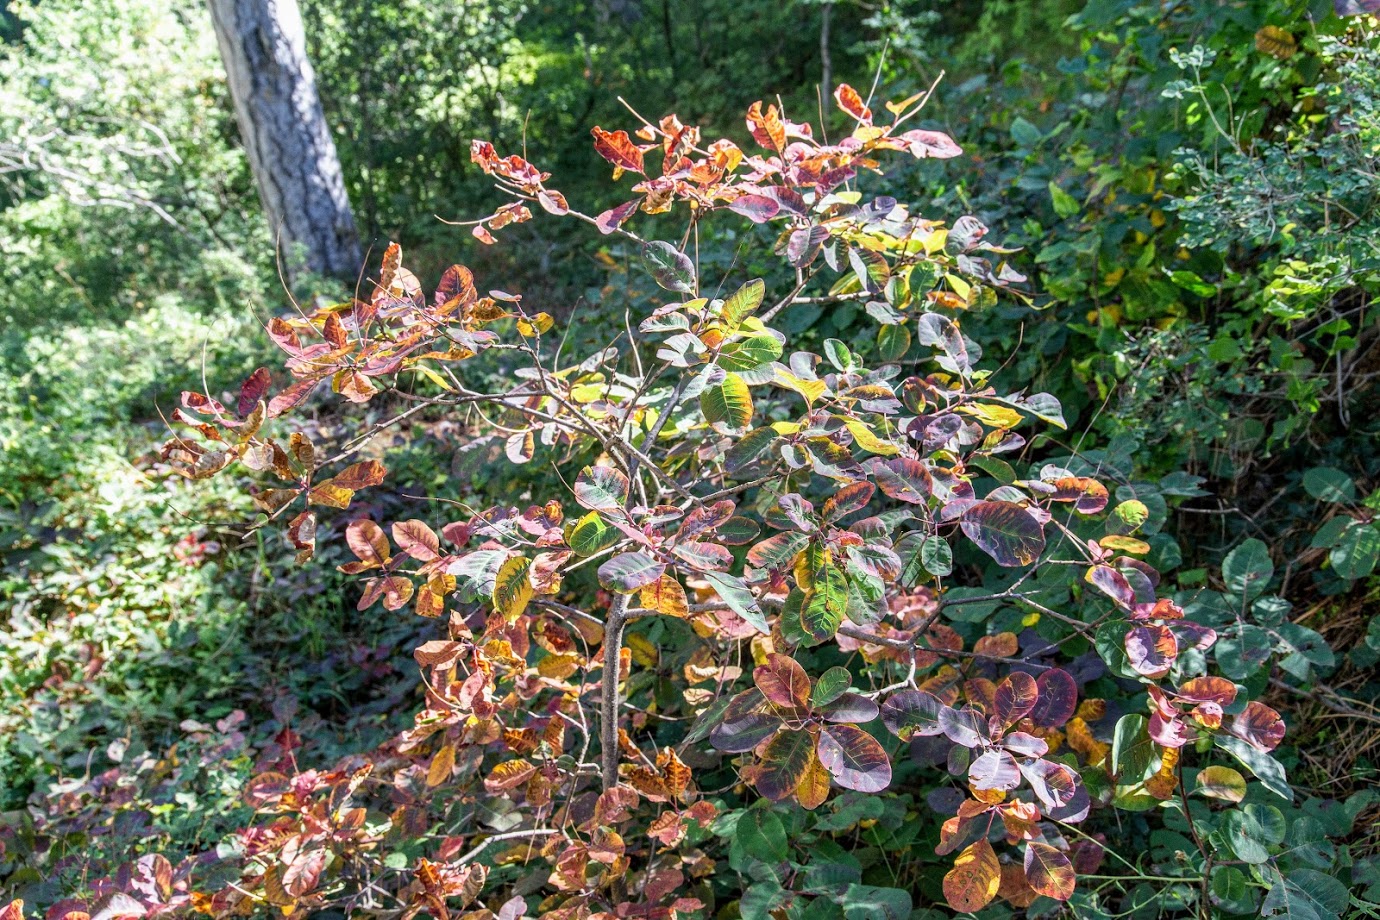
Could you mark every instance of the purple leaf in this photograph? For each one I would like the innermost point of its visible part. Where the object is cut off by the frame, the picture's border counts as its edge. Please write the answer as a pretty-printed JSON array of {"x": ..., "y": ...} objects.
[
  {"x": 850, "y": 707},
  {"x": 1058, "y": 699},
  {"x": 913, "y": 713},
  {"x": 995, "y": 770},
  {"x": 1004, "y": 531},
  {"x": 854, "y": 758}
]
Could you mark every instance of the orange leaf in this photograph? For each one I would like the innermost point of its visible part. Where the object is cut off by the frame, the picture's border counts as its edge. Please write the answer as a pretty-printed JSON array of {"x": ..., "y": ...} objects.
[
  {"x": 618, "y": 149},
  {"x": 973, "y": 881}
]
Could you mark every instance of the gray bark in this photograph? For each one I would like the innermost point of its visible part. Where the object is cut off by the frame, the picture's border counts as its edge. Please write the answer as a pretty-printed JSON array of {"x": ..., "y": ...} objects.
[{"x": 285, "y": 135}]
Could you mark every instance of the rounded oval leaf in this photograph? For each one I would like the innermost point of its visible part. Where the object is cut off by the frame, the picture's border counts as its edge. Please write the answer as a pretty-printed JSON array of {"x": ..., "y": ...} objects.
[
  {"x": 854, "y": 758},
  {"x": 911, "y": 713},
  {"x": 1049, "y": 871},
  {"x": 1004, "y": 531},
  {"x": 973, "y": 881}
]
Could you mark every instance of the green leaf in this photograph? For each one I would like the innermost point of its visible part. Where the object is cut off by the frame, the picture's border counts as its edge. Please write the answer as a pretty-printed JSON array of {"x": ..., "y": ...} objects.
[
  {"x": 743, "y": 302},
  {"x": 892, "y": 342},
  {"x": 627, "y": 572},
  {"x": 1024, "y": 133},
  {"x": 937, "y": 556},
  {"x": 1266, "y": 769},
  {"x": 868, "y": 902},
  {"x": 1223, "y": 783},
  {"x": 1065, "y": 205},
  {"x": 728, "y": 402},
  {"x": 761, "y": 835},
  {"x": 734, "y": 592},
  {"x": 601, "y": 488},
  {"x": 838, "y": 354},
  {"x": 748, "y": 448},
  {"x": 871, "y": 268},
  {"x": 1329, "y": 485},
  {"x": 825, "y": 604},
  {"x": 1356, "y": 553},
  {"x": 832, "y": 684},
  {"x": 1247, "y": 570},
  {"x": 746, "y": 354},
  {"x": 1251, "y": 832},
  {"x": 671, "y": 268},
  {"x": 1133, "y": 752},
  {"x": 1305, "y": 894},
  {"x": 590, "y": 535},
  {"x": 760, "y": 899}
]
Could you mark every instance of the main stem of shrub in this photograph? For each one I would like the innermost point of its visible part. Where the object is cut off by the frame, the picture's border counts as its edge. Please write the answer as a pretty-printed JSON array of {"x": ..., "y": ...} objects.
[{"x": 609, "y": 702}]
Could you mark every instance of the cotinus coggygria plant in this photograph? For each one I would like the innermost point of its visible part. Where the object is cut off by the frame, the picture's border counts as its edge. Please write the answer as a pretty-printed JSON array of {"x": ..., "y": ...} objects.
[{"x": 773, "y": 585}]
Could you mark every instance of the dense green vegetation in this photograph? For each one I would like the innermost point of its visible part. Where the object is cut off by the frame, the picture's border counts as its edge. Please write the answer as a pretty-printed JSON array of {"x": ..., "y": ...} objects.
[{"x": 1191, "y": 191}]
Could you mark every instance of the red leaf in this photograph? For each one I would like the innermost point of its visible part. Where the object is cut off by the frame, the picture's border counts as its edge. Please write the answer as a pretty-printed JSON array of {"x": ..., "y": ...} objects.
[
  {"x": 1015, "y": 697},
  {"x": 1089, "y": 494},
  {"x": 934, "y": 144},
  {"x": 417, "y": 540},
  {"x": 1259, "y": 725},
  {"x": 252, "y": 391},
  {"x": 367, "y": 541},
  {"x": 360, "y": 475},
  {"x": 1005, "y": 531},
  {"x": 903, "y": 479},
  {"x": 1111, "y": 583},
  {"x": 784, "y": 760},
  {"x": 553, "y": 202},
  {"x": 767, "y": 128},
  {"x": 1217, "y": 690},
  {"x": 304, "y": 871},
  {"x": 456, "y": 288},
  {"x": 995, "y": 770},
  {"x": 757, "y": 208},
  {"x": 912, "y": 712},
  {"x": 747, "y": 722},
  {"x": 784, "y": 683},
  {"x": 851, "y": 498},
  {"x": 613, "y": 218},
  {"x": 849, "y": 100},
  {"x": 293, "y": 396},
  {"x": 302, "y": 532},
  {"x": 618, "y": 149},
  {"x": 1049, "y": 871}
]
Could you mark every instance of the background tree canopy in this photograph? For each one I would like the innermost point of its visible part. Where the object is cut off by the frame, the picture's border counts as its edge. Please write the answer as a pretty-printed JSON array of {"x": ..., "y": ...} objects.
[{"x": 1185, "y": 208}]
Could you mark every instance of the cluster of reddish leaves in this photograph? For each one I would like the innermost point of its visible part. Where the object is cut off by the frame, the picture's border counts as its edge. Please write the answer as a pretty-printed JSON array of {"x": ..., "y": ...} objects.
[{"x": 860, "y": 474}]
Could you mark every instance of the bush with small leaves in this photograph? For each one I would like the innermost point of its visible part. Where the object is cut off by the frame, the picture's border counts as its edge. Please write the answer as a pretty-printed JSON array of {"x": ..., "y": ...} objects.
[{"x": 837, "y": 579}]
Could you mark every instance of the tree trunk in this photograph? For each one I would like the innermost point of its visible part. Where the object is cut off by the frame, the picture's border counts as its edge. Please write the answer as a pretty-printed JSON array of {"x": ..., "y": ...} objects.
[{"x": 290, "y": 148}]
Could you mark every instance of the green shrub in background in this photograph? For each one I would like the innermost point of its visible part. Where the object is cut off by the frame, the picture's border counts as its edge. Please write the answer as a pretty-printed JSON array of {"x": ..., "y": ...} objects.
[{"x": 120, "y": 176}]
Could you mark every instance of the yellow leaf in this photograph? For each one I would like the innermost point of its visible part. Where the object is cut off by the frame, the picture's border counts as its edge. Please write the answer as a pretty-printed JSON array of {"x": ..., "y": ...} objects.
[
  {"x": 993, "y": 416},
  {"x": 441, "y": 765},
  {"x": 558, "y": 667},
  {"x": 810, "y": 389},
  {"x": 644, "y": 653},
  {"x": 665, "y": 595},
  {"x": 512, "y": 588},
  {"x": 1125, "y": 544},
  {"x": 868, "y": 440}
]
